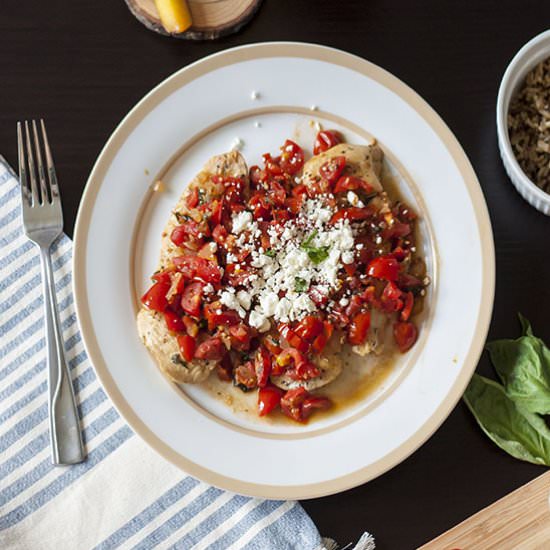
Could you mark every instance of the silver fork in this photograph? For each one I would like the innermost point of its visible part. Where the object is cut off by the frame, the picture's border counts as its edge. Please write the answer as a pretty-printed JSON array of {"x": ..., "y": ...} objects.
[{"x": 43, "y": 223}]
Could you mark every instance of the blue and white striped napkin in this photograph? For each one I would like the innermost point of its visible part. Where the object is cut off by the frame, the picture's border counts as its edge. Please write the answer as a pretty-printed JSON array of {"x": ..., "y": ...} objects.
[{"x": 124, "y": 495}]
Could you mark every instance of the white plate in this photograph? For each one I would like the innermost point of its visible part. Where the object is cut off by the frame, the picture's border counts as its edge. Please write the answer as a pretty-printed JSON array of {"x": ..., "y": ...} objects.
[{"x": 198, "y": 112}]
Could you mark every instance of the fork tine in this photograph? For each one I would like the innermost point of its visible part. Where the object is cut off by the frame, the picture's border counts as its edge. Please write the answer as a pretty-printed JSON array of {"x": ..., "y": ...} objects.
[
  {"x": 25, "y": 195},
  {"x": 51, "y": 168},
  {"x": 32, "y": 173},
  {"x": 41, "y": 172}
]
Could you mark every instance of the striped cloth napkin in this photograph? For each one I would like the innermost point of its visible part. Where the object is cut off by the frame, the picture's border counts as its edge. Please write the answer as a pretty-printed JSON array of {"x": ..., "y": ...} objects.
[{"x": 124, "y": 495}]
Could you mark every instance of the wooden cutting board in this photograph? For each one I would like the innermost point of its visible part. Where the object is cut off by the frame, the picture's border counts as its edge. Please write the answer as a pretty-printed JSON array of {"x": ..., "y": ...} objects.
[
  {"x": 520, "y": 520},
  {"x": 211, "y": 18}
]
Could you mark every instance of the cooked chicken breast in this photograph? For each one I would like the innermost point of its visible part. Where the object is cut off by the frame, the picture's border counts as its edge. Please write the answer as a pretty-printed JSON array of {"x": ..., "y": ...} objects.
[
  {"x": 362, "y": 161},
  {"x": 151, "y": 326}
]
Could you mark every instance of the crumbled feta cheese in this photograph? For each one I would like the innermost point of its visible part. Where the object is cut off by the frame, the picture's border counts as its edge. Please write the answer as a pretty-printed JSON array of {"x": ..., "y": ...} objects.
[
  {"x": 344, "y": 302},
  {"x": 241, "y": 220},
  {"x": 244, "y": 299},
  {"x": 259, "y": 321},
  {"x": 237, "y": 144},
  {"x": 347, "y": 257},
  {"x": 208, "y": 289}
]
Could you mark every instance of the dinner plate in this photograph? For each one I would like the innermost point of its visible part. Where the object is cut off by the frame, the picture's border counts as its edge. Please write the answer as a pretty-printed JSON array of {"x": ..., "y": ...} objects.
[{"x": 255, "y": 97}]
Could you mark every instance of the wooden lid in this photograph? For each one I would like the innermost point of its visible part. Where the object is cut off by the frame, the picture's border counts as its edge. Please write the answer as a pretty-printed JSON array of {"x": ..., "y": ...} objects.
[{"x": 211, "y": 18}]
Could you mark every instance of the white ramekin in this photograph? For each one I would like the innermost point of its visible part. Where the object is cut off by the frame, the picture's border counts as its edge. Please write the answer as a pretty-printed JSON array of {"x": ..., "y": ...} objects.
[{"x": 535, "y": 51}]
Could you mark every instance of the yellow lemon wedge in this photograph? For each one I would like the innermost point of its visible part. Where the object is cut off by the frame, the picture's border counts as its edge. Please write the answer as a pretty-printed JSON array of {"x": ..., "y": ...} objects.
[{"x": 174, "y": 15}]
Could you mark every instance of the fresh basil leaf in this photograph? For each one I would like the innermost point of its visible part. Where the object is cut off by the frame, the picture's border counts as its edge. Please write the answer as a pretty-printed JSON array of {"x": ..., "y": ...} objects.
[
  {"x": 514, "y": 429},
  {"x": 523, "y": 366},
  {"x": 525, "y": 326},
  {"x": 307, "y": 242},
  {"x": 300, "y": 285},
  {"x": 270, "y": 252},
  {"x": 318, "y": 255}
]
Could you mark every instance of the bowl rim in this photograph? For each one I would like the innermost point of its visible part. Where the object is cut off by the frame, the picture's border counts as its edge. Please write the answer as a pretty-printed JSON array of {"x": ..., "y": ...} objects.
[{"x": 521, "y": 59}]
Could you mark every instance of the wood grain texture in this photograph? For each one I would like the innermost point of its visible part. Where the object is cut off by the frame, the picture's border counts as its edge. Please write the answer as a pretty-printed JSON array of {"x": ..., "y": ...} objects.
[
  {"x": 83, "y": 65},
  {"x": 518, "y": 520},
  {"x": 211, "y": 19}
]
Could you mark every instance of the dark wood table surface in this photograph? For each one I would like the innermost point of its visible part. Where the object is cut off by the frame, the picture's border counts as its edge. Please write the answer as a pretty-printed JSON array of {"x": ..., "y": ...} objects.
[{"x": 82, "y": 65}]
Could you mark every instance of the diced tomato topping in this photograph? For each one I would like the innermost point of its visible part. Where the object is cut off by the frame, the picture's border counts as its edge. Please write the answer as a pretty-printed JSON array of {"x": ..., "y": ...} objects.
[
  {"x": 208, "y": 252},
  {"x": 191, "y": 326},
  {"x": 192, "y": 198},
  {"x": 384, "y": 267},
  {"x": 163, "y": 277},
  {"x": 299, "y": 404},
  {"x": 332, "y": 169},
  {"x": 277, "y": 193},
  {"x": 245, "y": 376},
  {"x": 311, "y": 403},
  {"x": 300, "y": 190},
  {"x": 262, "y": 366},
  {"x": 407, "y": 309},
  {"x": 256, "y": 175},
  {"x": 224, "y": 318},
  {"x": 191, "y": 299},
  {"x": 212, "y": 349},
  {"x": 309, "y": 327},
  {"x": 260, "y": 206},
  {"x": 322, "y": 339},
  {"x": 405, "y": 334},
  {"x": 173, "y": 321},
  {"x": 396, "y": 230},
  {"x": 391, "y": 297},
  {"x": 272, "y": 164},
  {"x": 155, "y": 297},
  {"x": 293, "y": 339},
  {"x": 354, "y": 305},
  {"x": 238, "y": 276},
  {"x": 351, "y": 183},
  {"x": 359, "y": 328},
  {"x": 187, "y": 346},
  {"x": 269, "y": 398},
  {"x": 240, "y": 336},
  {"x": 325, "y": 140},
  {"x": 194, "y": 267},
  {"x": 272, "y": 345},
  {"x": 303, "y": 369},
  {"x": 294, "y": 204},
  {"x": 353, "y": 214},
  {"x": 216, "y": 212},
  {"x": 292, "y": 157},
  {"x": 219, "y": 234},
  {"x": 281, "y": 216}
]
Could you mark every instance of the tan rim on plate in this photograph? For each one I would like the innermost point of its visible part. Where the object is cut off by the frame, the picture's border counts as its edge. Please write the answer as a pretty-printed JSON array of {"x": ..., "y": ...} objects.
[{"x": 125, "y": 128}]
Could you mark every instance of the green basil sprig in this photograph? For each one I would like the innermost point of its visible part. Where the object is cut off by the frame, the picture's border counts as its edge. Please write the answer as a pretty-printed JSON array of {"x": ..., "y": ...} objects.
[{"x": 509, "y": 412}]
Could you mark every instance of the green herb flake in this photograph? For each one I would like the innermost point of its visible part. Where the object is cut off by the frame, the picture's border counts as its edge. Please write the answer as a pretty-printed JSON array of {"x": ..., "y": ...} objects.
[
  {"x": 270, "y": 252},
  {"x": 317, "y": 254},
  {"x": 300, "y": 285}
]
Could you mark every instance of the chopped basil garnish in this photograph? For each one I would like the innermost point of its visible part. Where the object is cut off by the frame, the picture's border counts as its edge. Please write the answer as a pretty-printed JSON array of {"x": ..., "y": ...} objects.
[
  {"x": 317, "y": 254},
  {"x": 203, "y": 323},
  {"x": 300, "y": 285},
  {"x": 270, "y": 252}
]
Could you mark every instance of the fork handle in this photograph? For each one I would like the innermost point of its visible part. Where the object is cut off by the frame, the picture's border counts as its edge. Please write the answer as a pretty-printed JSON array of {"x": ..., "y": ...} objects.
[{"x": 65, "y": 436}]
